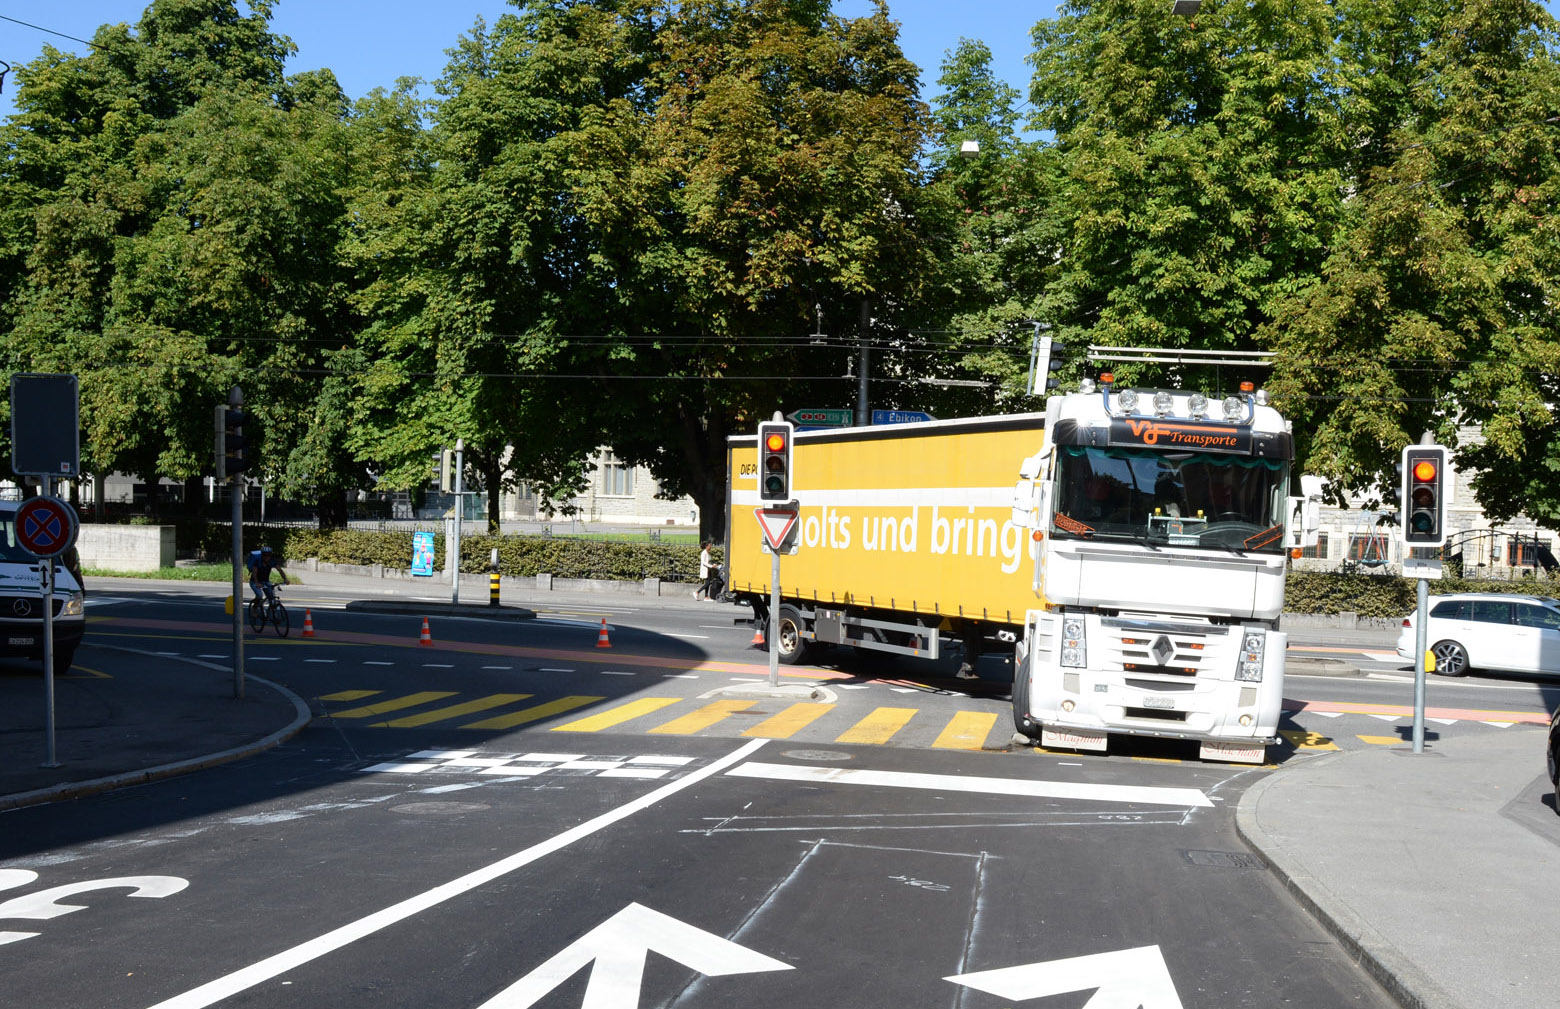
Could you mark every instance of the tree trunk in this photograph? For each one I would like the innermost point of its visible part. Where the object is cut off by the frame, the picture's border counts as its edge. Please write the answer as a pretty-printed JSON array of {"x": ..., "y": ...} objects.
[
  {"x": 194, "y": 496},
  {"x": 332, "y": 510},
  {"x": 493, "y": 482}
]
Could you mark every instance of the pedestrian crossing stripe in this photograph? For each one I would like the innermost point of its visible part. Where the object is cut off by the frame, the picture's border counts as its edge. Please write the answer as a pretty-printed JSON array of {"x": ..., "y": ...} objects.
[{"x": 962, "y": 730}]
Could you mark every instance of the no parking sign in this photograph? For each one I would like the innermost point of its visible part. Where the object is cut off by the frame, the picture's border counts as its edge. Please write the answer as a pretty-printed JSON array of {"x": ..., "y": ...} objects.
[{"x": 46, "y": 526}]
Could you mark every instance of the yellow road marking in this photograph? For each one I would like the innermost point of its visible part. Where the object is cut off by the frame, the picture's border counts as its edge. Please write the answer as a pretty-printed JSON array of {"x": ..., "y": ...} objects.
[
  {"x": 453, "y": 711},
  {"x": 533, "y": 714},
  {"x": 1302, "y": 740},
  {"x": 878, "y": 727},
  {"x": 1380, "y": 740},
  {"x": 617, "y": 716},
  {"x": 793, "y": 719},
  {"x": 396, "y": 704},
  {"x": 90, "y": 674},
  {"x": 701, "y": 719},
  {"x": 349, "y": 695},
  {"x": 967, "y": 730}
]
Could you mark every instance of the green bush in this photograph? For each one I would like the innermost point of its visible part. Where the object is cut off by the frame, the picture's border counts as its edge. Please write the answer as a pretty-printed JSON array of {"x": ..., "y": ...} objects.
[{"x": 518, "y": 556}]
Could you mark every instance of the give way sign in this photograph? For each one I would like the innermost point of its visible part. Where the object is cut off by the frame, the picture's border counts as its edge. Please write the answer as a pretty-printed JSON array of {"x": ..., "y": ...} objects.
[{"x": 777, "y": 526}]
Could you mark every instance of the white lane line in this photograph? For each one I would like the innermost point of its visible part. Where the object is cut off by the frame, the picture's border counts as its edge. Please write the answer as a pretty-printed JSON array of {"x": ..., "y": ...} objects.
[
  {"x": 544, "y": 669},
  {"x": 498, "y": 667},
  {"x": 690, "y": 637},
  {"x": 615, "y": 672},
  {"x": 245, "y": 978},
  {"x": 373, "y": 663},
  {"x": 964, "y": 783}
]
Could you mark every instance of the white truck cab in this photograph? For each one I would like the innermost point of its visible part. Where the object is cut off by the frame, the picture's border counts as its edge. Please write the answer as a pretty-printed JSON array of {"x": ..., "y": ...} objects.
[{"x": 21, "y": 599}]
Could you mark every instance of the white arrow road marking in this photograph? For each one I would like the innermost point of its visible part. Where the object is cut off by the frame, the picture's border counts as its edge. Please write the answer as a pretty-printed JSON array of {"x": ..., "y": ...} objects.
[
  {"x": 618, "y": 947},
  {"x": 1125, "y": 979},
  {"x": 280, "y": 963},
  {"x": 967, "y": 783}
]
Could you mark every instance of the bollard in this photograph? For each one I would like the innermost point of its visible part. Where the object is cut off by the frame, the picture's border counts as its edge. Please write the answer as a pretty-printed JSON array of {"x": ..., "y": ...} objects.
[{"x": 493, "y": 578}]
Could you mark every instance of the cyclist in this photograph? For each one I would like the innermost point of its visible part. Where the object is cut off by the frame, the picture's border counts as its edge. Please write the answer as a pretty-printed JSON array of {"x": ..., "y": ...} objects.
[{"x": 260, "y": 564}]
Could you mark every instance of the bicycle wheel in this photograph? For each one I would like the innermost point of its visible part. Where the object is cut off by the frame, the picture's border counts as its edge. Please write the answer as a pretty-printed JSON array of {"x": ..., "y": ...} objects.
[
  {"x": 279, "y": 618},
  {"x": 256, "y": 616}
]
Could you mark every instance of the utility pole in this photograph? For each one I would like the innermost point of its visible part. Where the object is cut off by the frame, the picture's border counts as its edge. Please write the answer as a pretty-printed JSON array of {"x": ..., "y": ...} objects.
[{"x": 863, "y": 415}]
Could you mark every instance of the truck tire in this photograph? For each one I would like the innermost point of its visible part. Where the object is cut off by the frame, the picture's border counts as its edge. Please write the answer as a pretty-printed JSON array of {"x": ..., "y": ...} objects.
[
  {"x": 1021, "y": 721},
  {"x": 790, "y": 644}
]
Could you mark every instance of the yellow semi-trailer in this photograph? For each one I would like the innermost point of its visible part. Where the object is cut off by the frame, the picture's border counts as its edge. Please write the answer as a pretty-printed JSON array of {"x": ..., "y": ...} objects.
[{"x": 904, "y": 536}]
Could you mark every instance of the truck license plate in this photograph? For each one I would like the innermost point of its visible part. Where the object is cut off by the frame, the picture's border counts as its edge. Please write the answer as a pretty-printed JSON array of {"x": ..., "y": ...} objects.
[
  {"x": 1158, "y": 702},
  {"x": 21, "y": 641}
]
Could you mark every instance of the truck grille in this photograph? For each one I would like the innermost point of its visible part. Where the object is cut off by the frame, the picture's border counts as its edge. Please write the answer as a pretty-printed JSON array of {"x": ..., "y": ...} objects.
[{"x": 1165, "y": 650}]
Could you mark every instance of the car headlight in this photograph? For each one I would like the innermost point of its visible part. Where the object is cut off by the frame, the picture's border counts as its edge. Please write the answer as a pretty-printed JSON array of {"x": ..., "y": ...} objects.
[
  {"x": 74, "y": 605},
  {"x": 1074, "y": 645},
  {"x": 1249, "y": 667}
]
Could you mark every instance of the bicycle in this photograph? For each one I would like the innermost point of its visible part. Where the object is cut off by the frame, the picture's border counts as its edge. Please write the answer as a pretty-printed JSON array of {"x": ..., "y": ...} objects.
[{"x": 262, "y": 612}]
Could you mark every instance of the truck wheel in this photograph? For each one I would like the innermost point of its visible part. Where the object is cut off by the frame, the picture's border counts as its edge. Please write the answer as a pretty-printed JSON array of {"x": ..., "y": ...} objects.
[
  {"x": 1021, "y": 721},
  {"x": 791, "y": 645}
]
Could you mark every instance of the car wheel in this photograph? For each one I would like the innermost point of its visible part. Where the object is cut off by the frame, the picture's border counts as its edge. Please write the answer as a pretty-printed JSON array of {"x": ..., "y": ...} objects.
[
  {"x": 1554, "y": 764},
  {"x": 1451, "y": 658},
  {"x": 792, "y": 646}
]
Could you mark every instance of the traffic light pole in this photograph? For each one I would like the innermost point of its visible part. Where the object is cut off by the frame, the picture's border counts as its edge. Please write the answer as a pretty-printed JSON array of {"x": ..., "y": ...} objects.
[
  {"x": 1419, "y": 665},
  {"x": 774, "y": 618},
  {"x": 235, "y": 485}
]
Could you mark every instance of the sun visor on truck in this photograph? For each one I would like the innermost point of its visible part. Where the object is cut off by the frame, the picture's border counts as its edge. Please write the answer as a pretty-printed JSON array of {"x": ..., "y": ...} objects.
[{"x": 1173, "y": 436}]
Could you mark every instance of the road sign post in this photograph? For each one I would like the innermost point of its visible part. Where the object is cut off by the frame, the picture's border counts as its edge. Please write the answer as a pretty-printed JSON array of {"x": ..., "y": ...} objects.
[
  {"x": 46, "y": 527},
  {"x": 778, "y": 523}
]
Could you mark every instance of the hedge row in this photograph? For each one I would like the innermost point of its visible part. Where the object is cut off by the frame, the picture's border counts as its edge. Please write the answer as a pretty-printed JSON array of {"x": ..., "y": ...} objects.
[
  {"x": 519, "y": 556},
  {"x": 1368, "y": 595}
]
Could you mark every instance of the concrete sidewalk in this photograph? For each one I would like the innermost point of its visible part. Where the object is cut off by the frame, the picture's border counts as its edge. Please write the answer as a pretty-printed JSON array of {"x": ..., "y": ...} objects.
[{"x": 1439, "y": 870}]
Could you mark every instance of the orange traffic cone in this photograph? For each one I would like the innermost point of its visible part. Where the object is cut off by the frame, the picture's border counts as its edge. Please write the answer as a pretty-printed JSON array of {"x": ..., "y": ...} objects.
[
  {"x": 758, "y": 636},
  {"x": 426, "y": 638},
  {"x": 308, "y": 624},
  {"x": 601, "y": 639}
]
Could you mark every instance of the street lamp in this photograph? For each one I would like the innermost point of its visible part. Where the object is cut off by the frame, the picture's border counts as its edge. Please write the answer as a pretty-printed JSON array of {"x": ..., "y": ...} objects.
[
  {"x": 969, "y": 149},
  {"x": 1184, "y": 8}
]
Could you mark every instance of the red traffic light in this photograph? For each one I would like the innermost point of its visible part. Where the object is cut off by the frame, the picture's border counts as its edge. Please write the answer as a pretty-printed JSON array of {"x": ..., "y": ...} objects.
[
  {"x": 1424, "y": 471},
  {"x": 774, "y": 441}
]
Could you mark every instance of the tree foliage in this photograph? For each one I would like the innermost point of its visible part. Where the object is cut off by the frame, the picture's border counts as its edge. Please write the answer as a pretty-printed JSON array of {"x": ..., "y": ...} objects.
[{"x": 648, "y": 225}]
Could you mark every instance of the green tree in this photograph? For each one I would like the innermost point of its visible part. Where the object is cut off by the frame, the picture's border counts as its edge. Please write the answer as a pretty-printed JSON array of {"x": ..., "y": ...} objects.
[
  {"x": 1200, "y": 166},
  {"x": 1436, "y": 310}
]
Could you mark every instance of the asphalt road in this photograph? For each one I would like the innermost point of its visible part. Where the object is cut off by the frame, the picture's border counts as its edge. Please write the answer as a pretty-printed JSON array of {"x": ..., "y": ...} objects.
[{"x": 512, "y": 817}]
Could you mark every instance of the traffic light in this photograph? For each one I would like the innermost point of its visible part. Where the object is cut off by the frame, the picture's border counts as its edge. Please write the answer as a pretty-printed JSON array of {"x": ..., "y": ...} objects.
[
  {"x": 774, "y": 461},
  {"x": 1044, "y": 380},
  {"x": 232, "y": 449},
  {"x": 1424, "y": 495},
  {"x": 447, "y": 471}
]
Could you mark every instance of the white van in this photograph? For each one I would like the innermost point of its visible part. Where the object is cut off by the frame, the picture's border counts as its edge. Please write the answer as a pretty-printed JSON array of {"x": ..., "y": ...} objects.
[{"x": 21, "y": 599}]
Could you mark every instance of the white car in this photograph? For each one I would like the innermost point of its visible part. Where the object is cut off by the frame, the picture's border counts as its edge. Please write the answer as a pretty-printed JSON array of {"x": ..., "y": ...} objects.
[{"x": 1488, "y": 630}]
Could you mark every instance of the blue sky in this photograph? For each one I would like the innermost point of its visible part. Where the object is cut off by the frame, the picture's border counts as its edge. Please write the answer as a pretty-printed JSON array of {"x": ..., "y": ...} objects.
[{"x": 370, "y": 44}]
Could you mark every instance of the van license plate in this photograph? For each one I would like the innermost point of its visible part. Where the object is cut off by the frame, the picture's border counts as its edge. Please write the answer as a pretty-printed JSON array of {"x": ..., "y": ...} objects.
[{"x": 21, "y": 641}]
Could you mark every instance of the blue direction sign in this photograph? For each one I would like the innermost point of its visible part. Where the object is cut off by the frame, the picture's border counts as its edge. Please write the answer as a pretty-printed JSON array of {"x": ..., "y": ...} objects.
[
  {"x": 45, "y": 526},
  {"x": 900, "y": 417}
]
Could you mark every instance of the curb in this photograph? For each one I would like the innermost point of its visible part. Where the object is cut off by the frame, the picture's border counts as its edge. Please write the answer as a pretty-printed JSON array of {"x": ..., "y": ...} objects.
[
  {"x": 1403, "y": 980},
  {"x": 80, "y": 789},
  {"x": 420, "y": 609}
]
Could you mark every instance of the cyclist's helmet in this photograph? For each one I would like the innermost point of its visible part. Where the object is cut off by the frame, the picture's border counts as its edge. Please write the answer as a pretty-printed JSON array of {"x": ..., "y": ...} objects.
[{"x": 265, "y": 551}]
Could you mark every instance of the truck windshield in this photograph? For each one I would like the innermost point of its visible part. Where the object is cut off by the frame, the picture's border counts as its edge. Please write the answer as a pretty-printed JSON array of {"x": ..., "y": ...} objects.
[{"x": 1180, "y": 499}]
